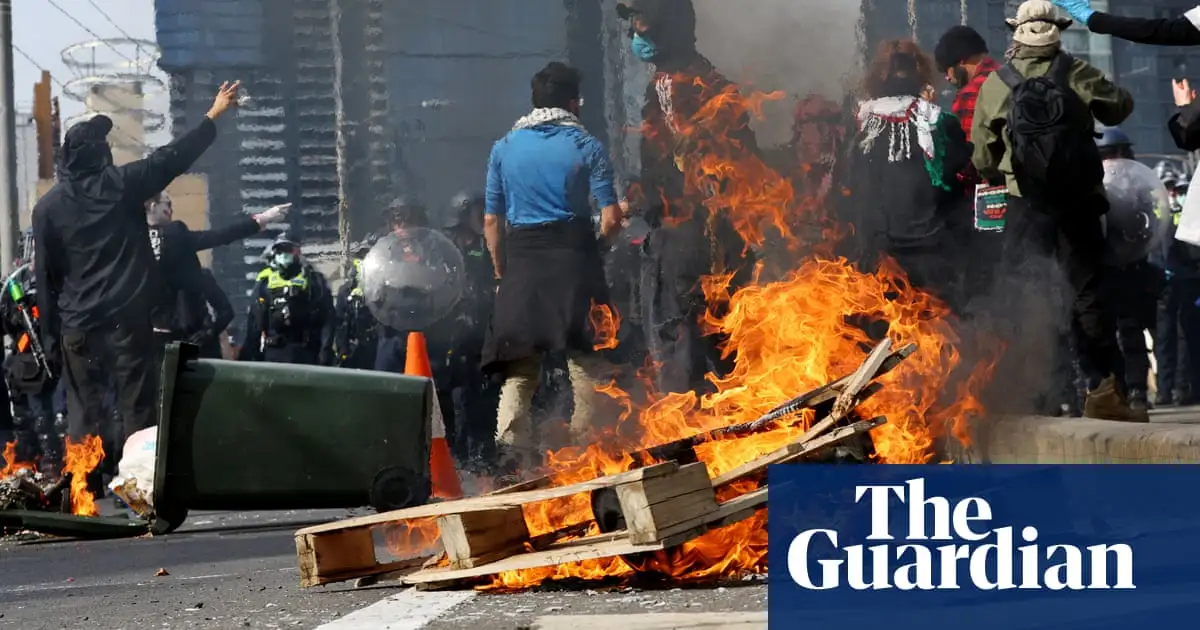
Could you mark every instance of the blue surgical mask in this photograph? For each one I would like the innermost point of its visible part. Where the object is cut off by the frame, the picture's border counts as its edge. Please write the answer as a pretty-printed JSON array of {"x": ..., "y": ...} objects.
[
  {"x": 284, "y": 259},
  {"x": 643, "y": 48}
]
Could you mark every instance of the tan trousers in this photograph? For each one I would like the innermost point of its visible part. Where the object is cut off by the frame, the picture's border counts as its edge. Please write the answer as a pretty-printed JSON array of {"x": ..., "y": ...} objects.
[{"x": 513, "y": 424}]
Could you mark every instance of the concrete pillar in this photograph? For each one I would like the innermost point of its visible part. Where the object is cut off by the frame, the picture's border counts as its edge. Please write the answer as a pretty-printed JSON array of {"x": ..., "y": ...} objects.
[{"x": 122, "y": 101}]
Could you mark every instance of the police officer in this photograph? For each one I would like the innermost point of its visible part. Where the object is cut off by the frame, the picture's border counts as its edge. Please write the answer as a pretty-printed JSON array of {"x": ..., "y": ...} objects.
[
  {"x": 1134, "y": 290},
  {"x": 1178, "y": 314},
  {"x": 475, "y": 397},
  {"x": 356, "y": 337},
  {"x": 291, "y": 316},
  {"x": 404, "y": 213},
  {"x": 39, "y": 415}
]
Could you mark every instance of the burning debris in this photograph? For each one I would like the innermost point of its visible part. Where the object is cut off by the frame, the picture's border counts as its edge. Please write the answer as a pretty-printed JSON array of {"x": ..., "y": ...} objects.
[
  {"x": 27, "y": 490},
  {"x": 668, "y": 500},
  {"x": 23, "y": 488}
]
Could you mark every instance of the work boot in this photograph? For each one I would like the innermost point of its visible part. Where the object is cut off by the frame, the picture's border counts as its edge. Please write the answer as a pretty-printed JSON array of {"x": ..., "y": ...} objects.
[
  {"x": 1163, "y": 399},
  {"x": 1106, "y": 403}
]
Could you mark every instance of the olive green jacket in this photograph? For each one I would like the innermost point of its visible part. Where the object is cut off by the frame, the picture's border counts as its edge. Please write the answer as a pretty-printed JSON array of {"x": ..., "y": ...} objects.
[{"x": 1109, "y": 104}]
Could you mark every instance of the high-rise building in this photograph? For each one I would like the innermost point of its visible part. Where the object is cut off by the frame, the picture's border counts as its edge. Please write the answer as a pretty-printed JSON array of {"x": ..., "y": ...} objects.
[
  {"x": 426, "y": 88},
  {"x": 281, "y": 145}
]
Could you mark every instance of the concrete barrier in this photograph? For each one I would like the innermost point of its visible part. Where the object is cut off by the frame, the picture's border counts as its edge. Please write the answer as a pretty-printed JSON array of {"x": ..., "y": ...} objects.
[{"x": 1038, "y": 440}]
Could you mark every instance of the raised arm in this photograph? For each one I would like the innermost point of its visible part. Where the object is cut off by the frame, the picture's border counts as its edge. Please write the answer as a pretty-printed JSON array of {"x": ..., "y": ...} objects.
[{"x": 151, "y": 175}]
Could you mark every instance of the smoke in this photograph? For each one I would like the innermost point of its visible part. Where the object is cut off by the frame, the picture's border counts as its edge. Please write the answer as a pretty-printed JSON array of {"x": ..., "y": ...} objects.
[{"x": 799, "y": 47}]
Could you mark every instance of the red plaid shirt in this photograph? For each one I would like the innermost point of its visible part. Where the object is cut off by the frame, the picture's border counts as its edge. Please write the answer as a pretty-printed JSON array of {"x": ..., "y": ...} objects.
[{"x": 964, "y": 101}]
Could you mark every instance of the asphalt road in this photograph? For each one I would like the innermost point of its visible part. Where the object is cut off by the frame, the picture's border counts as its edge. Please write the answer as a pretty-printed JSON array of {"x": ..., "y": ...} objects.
[
  {"x": 228, "y": 570},
  {"x": 238, "y": 570}
]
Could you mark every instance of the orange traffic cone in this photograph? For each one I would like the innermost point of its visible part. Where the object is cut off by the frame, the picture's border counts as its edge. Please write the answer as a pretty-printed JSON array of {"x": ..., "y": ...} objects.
[{"x": 441, "y": 466}]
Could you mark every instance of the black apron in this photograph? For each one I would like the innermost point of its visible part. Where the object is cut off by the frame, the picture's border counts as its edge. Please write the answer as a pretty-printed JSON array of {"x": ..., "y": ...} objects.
[{"x": 553, "y": 274}]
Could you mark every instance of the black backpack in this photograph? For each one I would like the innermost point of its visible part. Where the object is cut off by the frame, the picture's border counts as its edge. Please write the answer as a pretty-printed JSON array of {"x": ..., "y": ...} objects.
[{"x": 1051, "y": 133}]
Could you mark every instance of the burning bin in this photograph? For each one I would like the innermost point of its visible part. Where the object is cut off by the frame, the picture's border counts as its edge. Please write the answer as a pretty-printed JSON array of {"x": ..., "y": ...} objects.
[{"x": 266, "y": 436}]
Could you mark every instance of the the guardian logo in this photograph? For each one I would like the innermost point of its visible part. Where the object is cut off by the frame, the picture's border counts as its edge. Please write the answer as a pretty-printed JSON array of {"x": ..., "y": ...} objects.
[{"x": 973, "y": 553}]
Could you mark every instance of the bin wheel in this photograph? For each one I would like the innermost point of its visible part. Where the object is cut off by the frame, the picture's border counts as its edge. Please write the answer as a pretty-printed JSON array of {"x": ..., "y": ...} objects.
[
  {"x": 396, "y": 488},
  {"x": 167, "y": 519}
]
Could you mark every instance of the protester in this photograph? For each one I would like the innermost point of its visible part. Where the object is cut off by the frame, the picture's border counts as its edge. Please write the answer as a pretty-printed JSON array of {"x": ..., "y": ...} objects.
[
  {"x": 95, "y": 268},
  {"x": 1134, "y": 285},
  {"x": 356, "y": 339},
  {"x": 688, "y": 241},
  {"x": 1179, "y": 31},
  {"x": 818, "y": 135},
  {"x": 1056, "y": 204},
  {"x": 545, "y": 254},
  {"x": 180, "y": 310},
  {"x": 962, "y": 56},
  {"x": 903, "y": 174},
  {"x": 291, "y": 316}
]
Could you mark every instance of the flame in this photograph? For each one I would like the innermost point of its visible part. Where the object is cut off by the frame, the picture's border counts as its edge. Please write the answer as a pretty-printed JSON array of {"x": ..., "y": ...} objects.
[
  {"x": 80, "y": 460},
  {"x": 415, "y": 538},
  {"x": 11, "y": 465},
  {"x": 606, "y": 321},
  {"x": 816, "y": 323}
]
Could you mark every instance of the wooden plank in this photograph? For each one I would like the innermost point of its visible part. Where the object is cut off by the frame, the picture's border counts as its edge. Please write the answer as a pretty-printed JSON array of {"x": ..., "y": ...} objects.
[
  {"x": 331, "y": 557},
  {"x": 477, "y": 538},
  {"x": 652, "y": 505},
  {"x": 492, "y": 502},
  {"x": 865, "y": 373},
  {"x": 578, "y": 550},
  {"x": 830, "y": 392},
  {"x": 798, "y": 449}
]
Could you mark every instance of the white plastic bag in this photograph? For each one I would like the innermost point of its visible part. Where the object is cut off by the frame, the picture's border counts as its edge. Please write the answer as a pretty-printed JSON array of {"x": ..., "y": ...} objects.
[{"x": 134, "y": 483}]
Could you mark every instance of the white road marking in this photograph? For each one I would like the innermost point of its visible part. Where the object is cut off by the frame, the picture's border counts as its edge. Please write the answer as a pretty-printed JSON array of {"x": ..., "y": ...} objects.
[{"x": 410, "y": 610}]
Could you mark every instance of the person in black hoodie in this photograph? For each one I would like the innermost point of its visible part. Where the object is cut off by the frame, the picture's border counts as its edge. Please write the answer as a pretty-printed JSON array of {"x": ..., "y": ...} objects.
[
  {"x": 96, "y": 272},
  {"x": 687, "y": 241},
  {"x": 180, "y": 311}
]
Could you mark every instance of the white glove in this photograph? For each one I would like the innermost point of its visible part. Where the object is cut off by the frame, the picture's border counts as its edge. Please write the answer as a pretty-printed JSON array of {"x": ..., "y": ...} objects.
[{"x": 273, "y": 215}]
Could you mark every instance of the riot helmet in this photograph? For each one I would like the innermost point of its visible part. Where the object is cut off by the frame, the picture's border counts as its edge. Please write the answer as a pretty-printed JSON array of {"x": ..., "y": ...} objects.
[
  {"x": 405, "y": 212},
  {"x": 467, "y": 208},
  {"x": 1114, "y": 143}
]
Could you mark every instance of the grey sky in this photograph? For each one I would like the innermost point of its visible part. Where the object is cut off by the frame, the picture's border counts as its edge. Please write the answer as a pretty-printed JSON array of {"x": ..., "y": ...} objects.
[{"x": 42, "y": 31}]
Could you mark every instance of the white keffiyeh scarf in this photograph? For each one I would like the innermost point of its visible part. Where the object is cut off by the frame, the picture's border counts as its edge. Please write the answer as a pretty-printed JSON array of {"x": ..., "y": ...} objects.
[
  {"x": 892, "y": 114},
  {"x": 548, "y": 116}
]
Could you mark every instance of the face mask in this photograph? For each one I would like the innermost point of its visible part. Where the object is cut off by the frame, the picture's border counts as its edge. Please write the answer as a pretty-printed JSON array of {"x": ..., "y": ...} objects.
[
  {"x": 959, "y": 76},
  {"x": 643, "y": 48},
  {"x": 284, "y": 259}
]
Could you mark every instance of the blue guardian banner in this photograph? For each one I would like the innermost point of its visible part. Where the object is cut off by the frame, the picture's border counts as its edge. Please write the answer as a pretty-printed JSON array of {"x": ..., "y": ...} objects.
[{"x": 984, "y": 547}]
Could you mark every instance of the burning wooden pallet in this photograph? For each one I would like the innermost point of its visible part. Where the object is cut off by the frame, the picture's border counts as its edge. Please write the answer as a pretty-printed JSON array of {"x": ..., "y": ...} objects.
[{"x": 661, "y": 505}]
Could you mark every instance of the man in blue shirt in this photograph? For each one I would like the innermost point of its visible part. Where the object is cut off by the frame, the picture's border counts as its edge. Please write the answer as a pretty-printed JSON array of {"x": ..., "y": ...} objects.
[{"x": 546, "y": 255}]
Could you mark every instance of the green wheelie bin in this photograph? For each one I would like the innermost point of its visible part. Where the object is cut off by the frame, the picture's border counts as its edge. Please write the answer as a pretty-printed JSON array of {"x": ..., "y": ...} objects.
[{"x": 267, "y": 436}]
